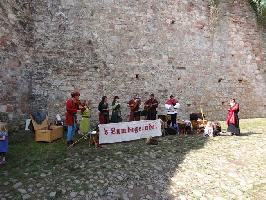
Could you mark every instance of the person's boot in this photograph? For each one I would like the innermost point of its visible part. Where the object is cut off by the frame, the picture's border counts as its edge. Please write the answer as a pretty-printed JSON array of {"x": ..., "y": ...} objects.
[
  {"x": 98, "y": 145},
  {"x": 68, "y": 143}
]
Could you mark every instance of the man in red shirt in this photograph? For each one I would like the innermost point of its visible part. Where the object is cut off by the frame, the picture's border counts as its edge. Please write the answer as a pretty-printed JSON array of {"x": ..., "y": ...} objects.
[
  {"x": 134, "y": 105},
  {"x": 150, "y": 106},
  {"x": 72, "y": 105}
]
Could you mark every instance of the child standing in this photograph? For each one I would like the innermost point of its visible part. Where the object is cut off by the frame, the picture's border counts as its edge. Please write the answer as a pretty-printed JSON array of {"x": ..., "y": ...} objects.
[
  {"x": 208, "y": 130},
  {"x": 3, "y": 143}
]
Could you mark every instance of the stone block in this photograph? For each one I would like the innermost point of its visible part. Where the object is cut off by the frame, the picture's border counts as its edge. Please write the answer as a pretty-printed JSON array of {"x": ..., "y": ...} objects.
[
  {"x": 9, "y": 108},
  {"x": 3, "y": 41},
  {"x": 3, "y": 108}
]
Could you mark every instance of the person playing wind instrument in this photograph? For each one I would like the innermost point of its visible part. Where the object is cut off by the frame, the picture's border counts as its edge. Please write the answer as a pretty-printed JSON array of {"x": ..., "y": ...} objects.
[
  {"x": 232, "y": 118},
  {"x": 116, "y": 111}
]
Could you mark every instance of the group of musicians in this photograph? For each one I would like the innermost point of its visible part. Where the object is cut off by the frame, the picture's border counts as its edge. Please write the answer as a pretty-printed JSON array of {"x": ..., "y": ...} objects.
[
  {"x": 150, "y": 110},
  {"x": 134, "y": 104}
]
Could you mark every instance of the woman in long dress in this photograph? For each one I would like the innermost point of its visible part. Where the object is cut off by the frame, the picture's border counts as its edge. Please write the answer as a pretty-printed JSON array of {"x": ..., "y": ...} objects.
[
  {"x": 116, "y": 112},
  {"x": 232, "y": 118},
  {"x": 103, "y": 111},
  {"x": 86, "y": 114}
]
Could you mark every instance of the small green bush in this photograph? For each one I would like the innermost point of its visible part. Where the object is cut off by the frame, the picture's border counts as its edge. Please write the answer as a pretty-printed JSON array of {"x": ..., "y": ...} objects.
[{"x": 260, "y": 9}]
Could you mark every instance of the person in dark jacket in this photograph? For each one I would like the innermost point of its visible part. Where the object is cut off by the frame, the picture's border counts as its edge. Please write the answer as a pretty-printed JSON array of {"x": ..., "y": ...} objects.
[
  {"x": 116, "y": 112},
  {"x": 103, "y": 111}
]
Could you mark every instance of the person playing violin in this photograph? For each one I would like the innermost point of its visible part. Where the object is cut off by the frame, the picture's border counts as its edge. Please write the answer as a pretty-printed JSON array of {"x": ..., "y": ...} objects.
[
  {"x": 134, "y": 105},
  {"x": 72, "y": 106},
  {"x": 150, "y": 106}
]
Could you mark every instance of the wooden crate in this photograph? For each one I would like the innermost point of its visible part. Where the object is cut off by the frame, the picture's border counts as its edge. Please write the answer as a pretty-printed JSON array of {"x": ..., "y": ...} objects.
[
  {"x": 46, "y": 133},
  {"x": 54, "y": 133},
  {"x": 198, "y": 125}
]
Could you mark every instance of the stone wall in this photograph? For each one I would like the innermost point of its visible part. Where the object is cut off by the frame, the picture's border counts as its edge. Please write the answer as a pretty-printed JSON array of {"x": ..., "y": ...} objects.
[
  {"x": 16, "y": 47},
  {"x": 118, "y": 47}
]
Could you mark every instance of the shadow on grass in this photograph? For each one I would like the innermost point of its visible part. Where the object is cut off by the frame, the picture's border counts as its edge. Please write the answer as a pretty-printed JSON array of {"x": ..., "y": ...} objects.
[
  {"x": 248, "y": 134},
  {"x": 135, "y": 162}
]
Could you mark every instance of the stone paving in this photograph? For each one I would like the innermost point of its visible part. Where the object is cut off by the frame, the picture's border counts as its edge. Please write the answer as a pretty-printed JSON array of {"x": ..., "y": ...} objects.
[{"x": 179, "y": 167}]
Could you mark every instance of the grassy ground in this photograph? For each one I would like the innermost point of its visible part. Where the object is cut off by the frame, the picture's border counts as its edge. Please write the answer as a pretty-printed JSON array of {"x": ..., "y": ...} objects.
[
  {"x": 28, "y": 160},
  {"x": 31, "y": 154},
  {"x": 248, "y": 125}
]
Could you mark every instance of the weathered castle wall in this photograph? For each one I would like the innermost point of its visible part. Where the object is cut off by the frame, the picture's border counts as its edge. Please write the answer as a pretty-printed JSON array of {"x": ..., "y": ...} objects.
[
  {"x": 16, "y": 47},
  {"x": 118, "y": 47}
]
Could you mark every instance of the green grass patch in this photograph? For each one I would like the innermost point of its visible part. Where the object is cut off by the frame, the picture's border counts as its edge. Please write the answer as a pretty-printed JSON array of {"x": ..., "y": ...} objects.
[
  {"x": 248, "y": 125},
  {"x": 29, "y": 158}
]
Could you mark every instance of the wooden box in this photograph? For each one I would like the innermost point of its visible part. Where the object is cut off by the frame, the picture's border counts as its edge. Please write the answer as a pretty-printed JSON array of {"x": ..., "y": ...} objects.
[
  {"x": 46, "y": 133},
  {"x": 49, "y": 135},
  {"x": 198, "y": 125}
]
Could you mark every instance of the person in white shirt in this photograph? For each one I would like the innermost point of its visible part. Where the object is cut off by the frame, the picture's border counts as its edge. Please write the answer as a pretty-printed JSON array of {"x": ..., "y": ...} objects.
[
  {"x": 208, "y": 130},
  {"x": 171, "y": 106}
]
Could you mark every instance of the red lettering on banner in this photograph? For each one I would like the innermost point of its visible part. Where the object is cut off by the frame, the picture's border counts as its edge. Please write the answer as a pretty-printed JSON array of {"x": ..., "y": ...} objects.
[
  {"x": 130, "y": 130},
  {"x": 123, "y": 130},
  {"x": 136, "y": 129},
  {"x": 113, "y": 130},
  {"x": 151, "y": 126}
]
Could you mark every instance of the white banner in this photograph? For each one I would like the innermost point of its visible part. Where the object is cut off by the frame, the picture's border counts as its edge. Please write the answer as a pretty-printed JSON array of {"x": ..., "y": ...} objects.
[{"x": 126, "y": 131}]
